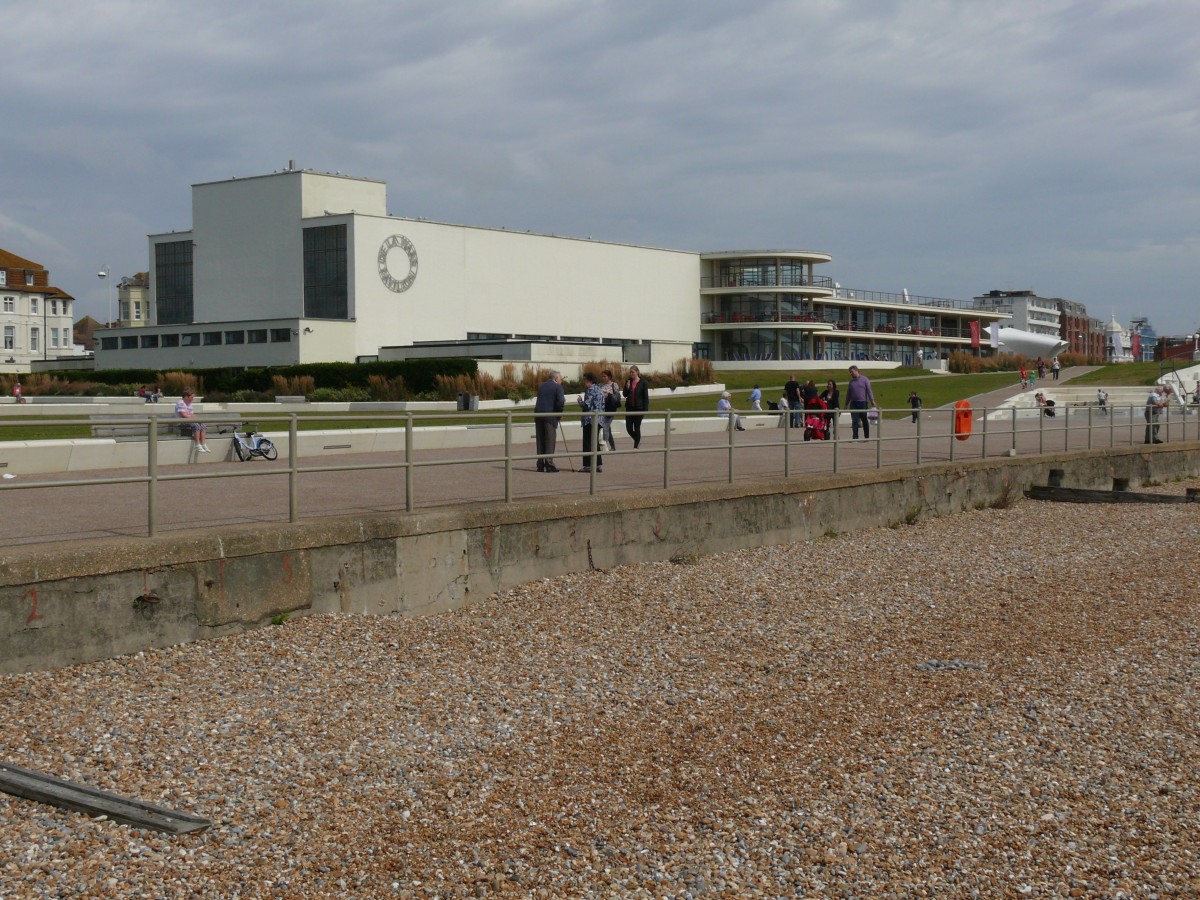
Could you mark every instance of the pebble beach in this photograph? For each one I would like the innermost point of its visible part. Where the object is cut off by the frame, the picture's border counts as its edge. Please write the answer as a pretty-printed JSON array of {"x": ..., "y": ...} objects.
[{"x": 1002, "y": 703}]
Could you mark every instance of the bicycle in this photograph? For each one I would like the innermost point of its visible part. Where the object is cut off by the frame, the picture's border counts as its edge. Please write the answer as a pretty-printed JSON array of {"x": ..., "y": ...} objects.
[{"x": 253, "y": 444}]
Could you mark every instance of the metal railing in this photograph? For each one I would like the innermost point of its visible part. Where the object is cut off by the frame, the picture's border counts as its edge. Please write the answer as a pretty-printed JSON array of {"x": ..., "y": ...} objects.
[{"x": 784, "y": 445}]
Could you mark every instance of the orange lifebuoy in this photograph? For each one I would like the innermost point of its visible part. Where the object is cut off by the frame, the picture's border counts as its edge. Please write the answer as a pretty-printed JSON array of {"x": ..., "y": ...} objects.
[{"x": 962, "y": 420}]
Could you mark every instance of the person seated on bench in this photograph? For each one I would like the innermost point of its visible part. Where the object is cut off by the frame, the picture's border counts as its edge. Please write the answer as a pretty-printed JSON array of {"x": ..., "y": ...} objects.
[
  {"x": 1046, "y": 405},
  {"x": 198, "y": 430}
]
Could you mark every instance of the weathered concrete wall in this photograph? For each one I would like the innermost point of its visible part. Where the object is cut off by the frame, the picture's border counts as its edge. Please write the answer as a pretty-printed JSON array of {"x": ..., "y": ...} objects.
[{"x": 66, "y": 604}]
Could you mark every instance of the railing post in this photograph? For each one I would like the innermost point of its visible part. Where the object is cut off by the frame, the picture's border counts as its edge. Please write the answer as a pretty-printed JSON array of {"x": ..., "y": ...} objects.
[
  {"x": 837, "y": 441},
  {"x": 918, "y": 437},
  {"x": 594, "y": 428},
  {"x": 878, "y": 439},
  {"x": 1089, "y": 427},
  {"x": 787, "y": 444},
  {"x": 667, "y": 451},
  {"x": 508, "y": 454},
  {"x": 1041, "y": 431},
  {"x": 152, "y": 473},
  {"x": 953, "y": 433},
  {"x": 729, "y": 439},
  {"x": 983, "y": 433},
  {"x": 408, "y": 462},
  {"x": 1014, "y": 429},
  {"x": 293, "y": 469}
]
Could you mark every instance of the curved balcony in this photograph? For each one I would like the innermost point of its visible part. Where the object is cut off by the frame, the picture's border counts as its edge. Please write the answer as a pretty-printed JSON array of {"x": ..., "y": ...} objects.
[{"x": 751, "y": 282}]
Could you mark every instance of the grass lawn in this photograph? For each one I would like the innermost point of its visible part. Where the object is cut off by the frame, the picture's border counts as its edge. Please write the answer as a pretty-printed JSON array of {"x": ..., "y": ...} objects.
[{"x": 1122, "y": 375}]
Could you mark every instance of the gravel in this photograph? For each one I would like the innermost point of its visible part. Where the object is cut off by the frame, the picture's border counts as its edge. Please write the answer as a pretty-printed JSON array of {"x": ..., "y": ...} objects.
[{"x": 1003, "y": 703}]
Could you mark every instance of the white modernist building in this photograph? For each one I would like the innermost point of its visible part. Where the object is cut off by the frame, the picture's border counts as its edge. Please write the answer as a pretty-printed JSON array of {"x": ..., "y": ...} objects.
[{"x": 301, "y": 266}]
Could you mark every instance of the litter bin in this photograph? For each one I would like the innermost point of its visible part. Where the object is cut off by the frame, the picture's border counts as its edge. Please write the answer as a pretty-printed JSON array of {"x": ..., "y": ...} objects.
[{"x": 468, "y": 402}]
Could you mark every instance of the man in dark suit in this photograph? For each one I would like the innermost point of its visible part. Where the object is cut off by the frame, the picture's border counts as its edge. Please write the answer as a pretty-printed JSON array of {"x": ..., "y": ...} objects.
[{"x": 550, "y": 399}]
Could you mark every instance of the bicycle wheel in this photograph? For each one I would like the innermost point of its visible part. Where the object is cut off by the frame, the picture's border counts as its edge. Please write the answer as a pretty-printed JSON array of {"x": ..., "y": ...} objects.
[
  {"x": 239, "y": 449},
  {"x": 267, "y": 449}
]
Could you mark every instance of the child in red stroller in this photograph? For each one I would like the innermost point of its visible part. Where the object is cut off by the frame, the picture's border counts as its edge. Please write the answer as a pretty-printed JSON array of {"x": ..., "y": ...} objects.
[{"x": 816, "y": 421}]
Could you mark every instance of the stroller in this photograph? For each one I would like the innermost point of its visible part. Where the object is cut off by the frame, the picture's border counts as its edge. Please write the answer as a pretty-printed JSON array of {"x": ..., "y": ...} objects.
[{"x": 816, "y": 421}]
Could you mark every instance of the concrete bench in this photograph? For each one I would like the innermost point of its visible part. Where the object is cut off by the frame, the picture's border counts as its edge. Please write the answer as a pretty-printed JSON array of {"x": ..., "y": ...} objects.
[
  {"x": 166, "y": 429},
  {"x": 300, "y": 398}
]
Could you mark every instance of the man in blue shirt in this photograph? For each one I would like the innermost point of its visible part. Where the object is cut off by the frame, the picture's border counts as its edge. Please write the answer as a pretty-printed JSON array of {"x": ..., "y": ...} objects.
[
  {"x": 756, "y": 398},
  {"x": 859, "y": 396}
]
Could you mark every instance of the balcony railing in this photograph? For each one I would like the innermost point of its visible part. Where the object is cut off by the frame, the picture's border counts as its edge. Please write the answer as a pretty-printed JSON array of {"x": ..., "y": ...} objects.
[
  {"x": 757, "y": 280},
  {"x": 802, "y": 319}
]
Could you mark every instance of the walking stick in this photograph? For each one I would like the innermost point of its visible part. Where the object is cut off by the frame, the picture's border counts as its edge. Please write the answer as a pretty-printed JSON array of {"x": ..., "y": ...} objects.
[{"x": 566, "y": 449}]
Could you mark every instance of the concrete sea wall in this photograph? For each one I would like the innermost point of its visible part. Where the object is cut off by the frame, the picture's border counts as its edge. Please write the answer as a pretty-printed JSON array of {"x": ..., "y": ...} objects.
[{"x": 61, "y": 605}]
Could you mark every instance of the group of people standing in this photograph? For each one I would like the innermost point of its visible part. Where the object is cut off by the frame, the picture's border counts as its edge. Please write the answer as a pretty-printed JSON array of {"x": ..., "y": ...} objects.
[
  {"x": 860, "y": 400},
  {"x": 1040, "y": 369},
  {"x": 600, "y": 395}
]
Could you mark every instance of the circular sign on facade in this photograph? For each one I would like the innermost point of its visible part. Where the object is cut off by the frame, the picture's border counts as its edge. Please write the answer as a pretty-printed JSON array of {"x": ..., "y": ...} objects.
[{"x": 390, "y": 281}]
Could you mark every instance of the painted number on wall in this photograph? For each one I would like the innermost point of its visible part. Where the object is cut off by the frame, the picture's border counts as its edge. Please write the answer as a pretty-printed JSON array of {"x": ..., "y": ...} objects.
[{"x": 34, "y": 615}]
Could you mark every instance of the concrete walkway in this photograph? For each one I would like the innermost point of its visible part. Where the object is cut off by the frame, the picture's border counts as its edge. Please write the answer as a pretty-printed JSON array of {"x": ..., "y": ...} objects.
[{"x": 223, "y": 493}]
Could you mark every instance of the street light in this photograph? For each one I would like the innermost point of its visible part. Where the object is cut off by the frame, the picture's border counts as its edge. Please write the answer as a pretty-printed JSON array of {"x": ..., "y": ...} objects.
[{"x": 103, "y": 273}]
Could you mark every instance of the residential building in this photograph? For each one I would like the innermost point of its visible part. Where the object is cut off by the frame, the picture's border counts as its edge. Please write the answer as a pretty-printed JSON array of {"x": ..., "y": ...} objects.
[
  {"x": 35, "y": 316},
  {"x": 302, "y": 266},
  {"x": 133, "y": 300},
  {"x": 1029, "y": 312}
]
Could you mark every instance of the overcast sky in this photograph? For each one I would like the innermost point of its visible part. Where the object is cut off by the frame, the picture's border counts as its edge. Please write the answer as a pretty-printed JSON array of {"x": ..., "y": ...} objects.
[{"x": 948, "y": 148}]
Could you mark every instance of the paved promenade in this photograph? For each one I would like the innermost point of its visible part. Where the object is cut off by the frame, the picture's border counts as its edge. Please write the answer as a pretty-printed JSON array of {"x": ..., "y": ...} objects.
[{"x": 224, "y": 493}]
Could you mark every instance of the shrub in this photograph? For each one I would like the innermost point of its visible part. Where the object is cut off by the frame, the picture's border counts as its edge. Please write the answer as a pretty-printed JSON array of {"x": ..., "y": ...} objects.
[{"x": 339, "y": 395}]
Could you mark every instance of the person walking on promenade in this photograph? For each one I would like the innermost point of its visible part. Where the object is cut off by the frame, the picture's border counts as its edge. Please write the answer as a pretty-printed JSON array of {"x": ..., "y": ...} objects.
[
  {"x": 198, "y": 430},
  {"x": 637, "y": 400},
  {"x": 17, "y": 392},
  {"x": 915, "y": 402},
  {"x": 1055, "y": 367},
  {"x": 1024, "y": 377},
  {"x": 591, "y": 401},
  {"x": 612, "y": 403},
  {"x": 1102, "y": 400},
  {"x": 1155, "y": 404},
  {"x": 859, "y": 396},
  {"x": 791, "y": 390},
  {"x": 550, "y": 399},
  {"x": 756, "y": 398}
]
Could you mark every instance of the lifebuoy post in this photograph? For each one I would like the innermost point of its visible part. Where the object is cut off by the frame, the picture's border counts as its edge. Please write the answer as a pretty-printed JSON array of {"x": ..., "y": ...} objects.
[{"x": 962, "y": 420}]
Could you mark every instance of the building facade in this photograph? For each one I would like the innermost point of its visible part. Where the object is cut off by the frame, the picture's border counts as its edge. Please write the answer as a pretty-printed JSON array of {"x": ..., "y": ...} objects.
[
  {"x": 1029, "y": 312},
  {"x": 301, "y": 266},
  {"x": 35, "y": 316},
  {"x": 133, "y": 301}
]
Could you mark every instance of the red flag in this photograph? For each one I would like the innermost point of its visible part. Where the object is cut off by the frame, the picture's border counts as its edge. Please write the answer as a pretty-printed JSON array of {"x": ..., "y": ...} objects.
[
  {"x": 974, "y": 334},
  {"x": 1137, "y": 345}
]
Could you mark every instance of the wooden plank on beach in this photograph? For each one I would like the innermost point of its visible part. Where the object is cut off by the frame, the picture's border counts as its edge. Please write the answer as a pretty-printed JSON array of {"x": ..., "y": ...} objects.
[{"x": 31, "y": 785}]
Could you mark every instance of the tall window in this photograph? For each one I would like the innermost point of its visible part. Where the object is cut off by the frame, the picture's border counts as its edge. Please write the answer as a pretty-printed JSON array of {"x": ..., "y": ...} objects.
[
  {"x": 66, "y": 337},
  {"x": 54, "y": 307},
  {"x": 34, "y": 339},
  {"x": 10, "y": 337},
  {"x": 33, "y": 305},
  {"x": 326, "y": 295},
  {"x": 3, "y": 276},
  {"x": 10, "y": 304},
  {"x": 53, "y": 337},
  {"x": 173, "y": 277}
]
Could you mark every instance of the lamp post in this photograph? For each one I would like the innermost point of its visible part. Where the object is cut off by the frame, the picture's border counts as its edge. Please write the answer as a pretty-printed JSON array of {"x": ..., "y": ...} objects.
[
  {"x": 45, "y": 336},
  {"x": 104, "y": 273},
  {"x": 1196, "y": 347}
]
